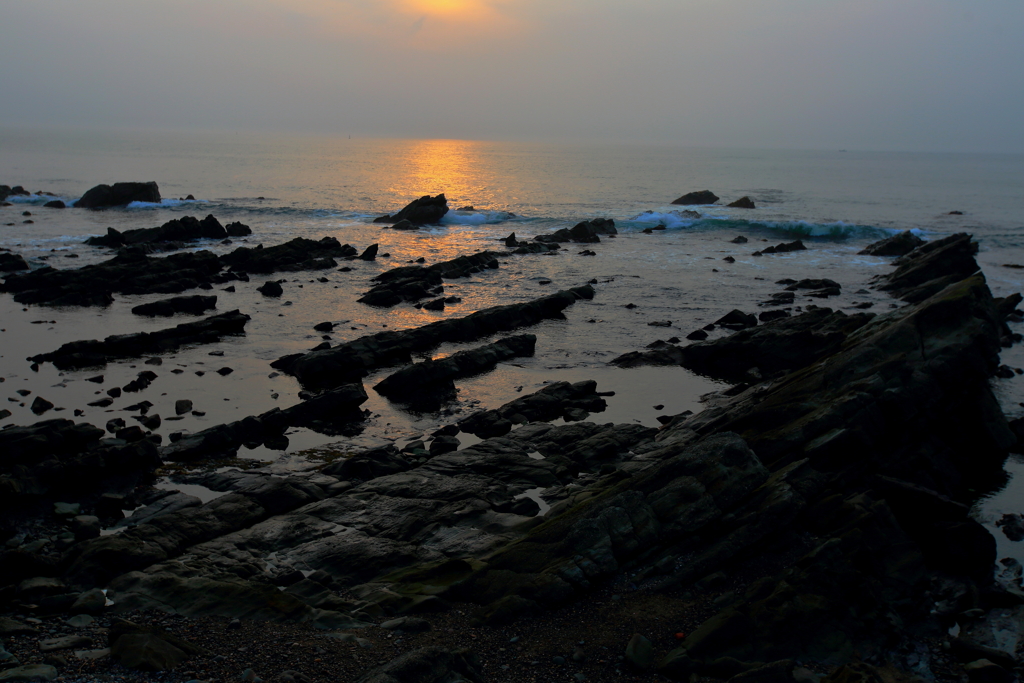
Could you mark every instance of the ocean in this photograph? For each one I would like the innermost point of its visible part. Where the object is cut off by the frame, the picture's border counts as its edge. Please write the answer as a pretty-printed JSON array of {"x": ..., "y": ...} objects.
[{"x": 286, "y": 186}]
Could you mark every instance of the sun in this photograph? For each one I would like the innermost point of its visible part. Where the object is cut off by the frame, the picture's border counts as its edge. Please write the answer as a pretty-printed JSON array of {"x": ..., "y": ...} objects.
[{"x": 466, "y": 9}]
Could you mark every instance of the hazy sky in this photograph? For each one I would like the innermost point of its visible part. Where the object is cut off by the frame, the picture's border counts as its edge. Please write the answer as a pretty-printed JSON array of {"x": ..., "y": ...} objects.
[{"x": 857, "y": 74}]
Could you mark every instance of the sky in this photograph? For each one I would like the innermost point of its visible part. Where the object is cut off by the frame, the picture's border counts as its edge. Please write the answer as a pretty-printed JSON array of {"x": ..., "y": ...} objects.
[{"x": 920, "y": 75}]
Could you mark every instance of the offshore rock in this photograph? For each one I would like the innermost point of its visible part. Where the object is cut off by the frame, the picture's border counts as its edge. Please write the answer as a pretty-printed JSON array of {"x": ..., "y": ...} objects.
[
  {"x": 696, "y": 198},
  {"x": 352, "y": 361},
  {"x": 119, "y": 194},
  {"x": 420, "y": 211},
  {"x": 742, "y": 203},
  {"x": 90, "y": 352}
]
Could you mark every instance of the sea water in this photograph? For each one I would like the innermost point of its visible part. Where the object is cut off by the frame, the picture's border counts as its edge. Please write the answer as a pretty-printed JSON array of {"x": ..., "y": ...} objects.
[{"x": 289, "y": 186}]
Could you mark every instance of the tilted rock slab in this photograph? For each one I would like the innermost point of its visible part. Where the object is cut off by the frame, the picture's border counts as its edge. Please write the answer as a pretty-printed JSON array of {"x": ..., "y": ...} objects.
[
  {"x": 79, "y": 354},
  {"x": 353, "y": 360}
]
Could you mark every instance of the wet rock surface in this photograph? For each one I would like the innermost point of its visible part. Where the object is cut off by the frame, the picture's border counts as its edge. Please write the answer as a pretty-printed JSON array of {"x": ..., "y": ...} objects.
[
  {"x": 353, "y": 360},
  {"x": 195, "y": 304},
  {"x": 91, "y": 352},
  {"x": 412, "y": 283}
]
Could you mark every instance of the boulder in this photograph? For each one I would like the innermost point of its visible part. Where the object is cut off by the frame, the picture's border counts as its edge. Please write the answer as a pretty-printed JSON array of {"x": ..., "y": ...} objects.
[
  {"x": 742, "y": 203},
  {"x": 55, "y": 204},
  {"x": 271, "y": 288},
  {"x": 697, "y": 198},
  {"x": 119, "y": 194},
  {"x": 237, "y": 229}
]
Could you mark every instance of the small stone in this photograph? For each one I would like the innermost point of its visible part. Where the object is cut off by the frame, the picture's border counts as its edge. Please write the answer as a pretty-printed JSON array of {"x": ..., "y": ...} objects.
[
  {"x": 182, "y": 406},
  {"x": 79, "y": 621}
]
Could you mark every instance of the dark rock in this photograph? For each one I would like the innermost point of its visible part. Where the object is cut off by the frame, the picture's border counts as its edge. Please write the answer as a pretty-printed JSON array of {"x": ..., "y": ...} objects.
[
  {"x": 548, "y": 403},
  {"x": 9, "y": 262},
  {"x": 292, "y": 256},
  {"x": 1013, "y": 526},
  {"x": 822, "y": 283},
  {"x": 40, "y": 405},
  {"x": 930, "y": 268},
  {"x": 237, "y": 229},
  {"x": 271, "y": 288},
  {"x": 640, "y": 652},
  {"x": 897, "y": 245},
  {"x": 91, "y": 352},
  {"x": 377, "y": 462},
  {"x": 416, "y": 382},
  {"x": 444, "y": 444},
  {"x": 412, "y": 283},
  {"x": 696, "y": 198},
  {"x": 195, "y": 304},
  {"x": 740, "y": 239},
  {"x": 55, "y": 204},
  {"x": 737, "y": 320},
  {"x": 129, "y": 272},
  {"x": 119, "y": 194},
  {"x": 324, "y": 327},
  {"x": 182, "y": 229},
  {"x": 697, "y": 335},
  {"x": 785, "y": 247},
  {"x": 784, "y": 344},
  {"x": 420, "y": 211},
  {"x": 370, "y": 253},
  {"x": 354, "y": 360},
  {"x": 742, "y": 203}
]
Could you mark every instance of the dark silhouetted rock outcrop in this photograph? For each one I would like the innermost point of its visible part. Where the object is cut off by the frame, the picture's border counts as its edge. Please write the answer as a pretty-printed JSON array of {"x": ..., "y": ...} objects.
[
  {"x": 119, "y": 194},
  {"x": 697, "y": 198},
  {"x": 420, "y": 211}
]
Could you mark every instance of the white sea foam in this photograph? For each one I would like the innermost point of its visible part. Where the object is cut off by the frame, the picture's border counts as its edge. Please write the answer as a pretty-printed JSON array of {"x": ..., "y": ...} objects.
[{"x": 475, "y": 217}]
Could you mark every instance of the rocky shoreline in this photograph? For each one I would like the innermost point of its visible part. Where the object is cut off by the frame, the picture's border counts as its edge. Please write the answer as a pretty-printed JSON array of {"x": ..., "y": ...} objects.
[{"x": 811, "y": 523}]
